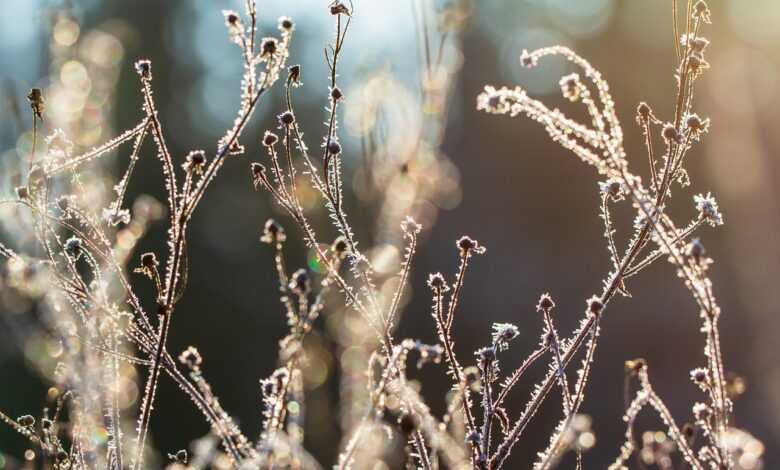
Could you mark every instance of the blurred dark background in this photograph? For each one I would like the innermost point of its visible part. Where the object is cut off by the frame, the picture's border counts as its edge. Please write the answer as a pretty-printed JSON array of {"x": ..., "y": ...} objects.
[{"x": 530, "y": 202}]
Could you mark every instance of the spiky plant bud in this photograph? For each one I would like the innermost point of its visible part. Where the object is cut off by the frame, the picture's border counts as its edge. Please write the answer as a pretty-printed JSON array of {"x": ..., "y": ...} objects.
[
  {"x": 191, "y": 358},
  {"x": 595, "y": 305},
  {"x": 270, "y": 139},
  {"x": 144, "y": 69},
  {"x": 273, "y": 232},
  {"x": 334, "y": 147},
  {"x": 26, "y": 421},
  {"x": 545, "y": 303},
  {"x": 286, "y": 119},
  {"x": 300, "y": 283}
]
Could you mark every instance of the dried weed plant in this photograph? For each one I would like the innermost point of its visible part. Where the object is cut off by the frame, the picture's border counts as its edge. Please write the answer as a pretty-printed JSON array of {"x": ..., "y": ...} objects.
[{"x": 77, "y": 268}]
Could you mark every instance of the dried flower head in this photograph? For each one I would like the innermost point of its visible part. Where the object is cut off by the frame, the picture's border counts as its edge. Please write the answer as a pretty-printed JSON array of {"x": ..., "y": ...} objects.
[
  {"x": 671, "y": 135},
  {"x": 26, "y": 421},
  {"x": 697, "y": 64},
  {"x": 273, "y": 233},
  {"x": 340, "y": 247},
  {"x": 286, "y": 119},
  {"x": 334, "y": 147},
  {"x": 468, "y": 245},
  {"x": 268, "y": 47},
  {"x": 527, "y": 59},
  {"x": 149, "y": 260},
  {"x": 195, "y": 162},
  {"x": 701, "y": 11},
  {"x": 695, "y": 250},
  {"x": 545, "y": 303},
  {"x": 595, "y": 305},
  {"x": 571, "y": 86},
  {"x": 503, "y": 333},
  {"x": 613, "y": 188},
  {"x": 22, "y": 192},
  {"x": 700, "y": 377},
  {"x": 643, "y": 113},
  {"x": 259, "y": 175},
  {"x": 696, "y": 125},
  {"x": 286, "y": 24},
  {"x": 471, "y": 375},
  {"x": 35, "y": 98},
  {"x": 338, "y": 8},
  {"x": 73, "y": 247},
  {"x": 234, "y": 25},
  {"x": 300, "y": 282},
  {"x": 336, "y": 94},
  {"x": 634, "y": 366},
  {"x": 294, "y": 75},
  {"x": 486, "y": 355},
  {"x": 191, "y": 358},
  {"x": 437, "y": 283},
  {"x": 144, "y": 69},
  {"x": 708, "y": 209},
  {"x": 270, "y": 139}
]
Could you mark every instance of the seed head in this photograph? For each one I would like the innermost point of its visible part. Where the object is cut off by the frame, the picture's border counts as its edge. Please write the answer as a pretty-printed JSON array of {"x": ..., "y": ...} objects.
[
  {"x": 273, "y": 232},
  {"x": 144, "y": 69},
  {"x": 471, "y": 375},
  {"x": 191, "y": 358},
  {"x": 286, "y": 119},
  {"x": 503, "y": 333},
  {"x": 258, "y": 170},
  {"x": 468, "y": 245},
  {"x": 46, "y": 424},
  {"x": 270, "y": 139},
  {"x": 149, "y": 261},
  {"x": 634, "y": 366},
  {"x": 701, "y": 11},
  {"x": 300, "y": 282},
  {"x": 595, "y": 305},
  {"x": 26, "y": 421},
  {"x": 340, "y": 247},
  {"x": 334, "y": 147},
  {"x": 643, "y": 113},
  {"x": 294, "y": 75},
  {"x": 194, "y": 162},
  {"x": 22, "y": 192},
  {"x": 231, "y": 17},
  {"x": 181, "y": 456},
  {"x": 268, "y": 47},
  {"x": 286, "y": 24},
  {"x": 339, "y": 8},
  {"x": 35, "y": 97},
  {"x": 336, "y": 94},
  {"x": 699, "y": 44},
  {"x": 545, "y": 303},
  {"x": 527, "y": 60},
  {"x": 708, "y": 209},
  {"x": 696, "y": 250},
  {"x": 437, "y": 283},
  {"x": 73, "y": 247},
  {"x": 700, "y": 376},
  {"x": 696, "y": 125},
  {"x": 570, "y": 87},
  {"x": 671, "y": 135},
  {"x": 486, "y": 355}
]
